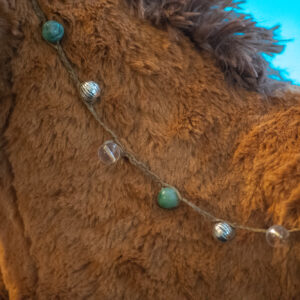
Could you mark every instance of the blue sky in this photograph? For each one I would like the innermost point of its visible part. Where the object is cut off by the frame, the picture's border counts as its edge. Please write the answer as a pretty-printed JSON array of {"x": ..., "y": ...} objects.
[{"x": 286, "y": 13}]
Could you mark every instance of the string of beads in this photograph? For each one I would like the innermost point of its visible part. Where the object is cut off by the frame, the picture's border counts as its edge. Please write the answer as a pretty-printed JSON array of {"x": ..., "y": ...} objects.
[{"x": 111, "y": 151}]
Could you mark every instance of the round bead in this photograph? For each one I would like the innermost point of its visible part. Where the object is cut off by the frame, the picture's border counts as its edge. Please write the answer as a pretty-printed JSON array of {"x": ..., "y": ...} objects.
[
  {"x": 89, "y": 91},
  {"x": 277, "y": 236},
  {"x": 52, "y": 31},
  {"x": 109, "y": 152},
  {"x": 168, "y": 198},
  {"x": 223, "y": 232}
]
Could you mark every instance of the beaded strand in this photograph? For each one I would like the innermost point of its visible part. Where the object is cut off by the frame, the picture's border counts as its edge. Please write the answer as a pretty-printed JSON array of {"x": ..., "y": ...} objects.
[{"x": 111, "y": 151}]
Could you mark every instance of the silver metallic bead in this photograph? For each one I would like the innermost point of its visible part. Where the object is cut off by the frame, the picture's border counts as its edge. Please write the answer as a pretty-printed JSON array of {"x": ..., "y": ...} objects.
[
  {"x": 223, "y": 232},
  {"x": 90, "y": 91},
  {"x": 109, "y": 153},
  {"x": 277, "y": 236}
]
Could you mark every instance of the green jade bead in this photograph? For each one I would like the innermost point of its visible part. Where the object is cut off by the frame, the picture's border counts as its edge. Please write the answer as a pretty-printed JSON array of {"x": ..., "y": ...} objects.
[
  {"x": 168, "y": 198},
  {"x": 52, "y": 31}
]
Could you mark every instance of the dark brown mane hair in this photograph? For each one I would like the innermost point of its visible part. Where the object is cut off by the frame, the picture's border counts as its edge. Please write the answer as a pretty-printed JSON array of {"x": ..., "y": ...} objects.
[{"x": 219, "y": 27}]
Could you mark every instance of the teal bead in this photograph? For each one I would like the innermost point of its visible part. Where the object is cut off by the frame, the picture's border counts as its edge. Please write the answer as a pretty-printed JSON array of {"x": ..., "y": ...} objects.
[
  {"x": 52, "y": 31},
  {"x": 168, "y": 198}
]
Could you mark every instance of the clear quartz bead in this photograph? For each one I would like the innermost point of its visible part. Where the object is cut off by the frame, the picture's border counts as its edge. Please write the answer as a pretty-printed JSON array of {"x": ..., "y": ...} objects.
[
  {"x": 277, "y": 236},
  {"x": 109, "y": 153}
]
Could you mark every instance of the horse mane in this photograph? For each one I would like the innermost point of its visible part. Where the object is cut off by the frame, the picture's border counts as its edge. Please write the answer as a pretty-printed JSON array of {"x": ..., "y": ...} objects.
[{"x": 219, "y": 27}]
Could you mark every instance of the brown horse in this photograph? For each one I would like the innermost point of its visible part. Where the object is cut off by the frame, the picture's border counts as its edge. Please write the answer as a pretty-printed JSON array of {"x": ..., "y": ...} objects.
[{"x": 186, "y": 88}]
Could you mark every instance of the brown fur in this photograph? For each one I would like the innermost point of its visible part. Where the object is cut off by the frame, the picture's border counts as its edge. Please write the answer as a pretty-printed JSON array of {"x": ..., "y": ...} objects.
[
  {"x": 219, "y": 26},
  {"x": 71, "y": 228}
]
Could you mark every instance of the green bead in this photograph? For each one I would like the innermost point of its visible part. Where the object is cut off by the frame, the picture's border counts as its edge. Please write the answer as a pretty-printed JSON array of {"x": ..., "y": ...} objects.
[
  {"x": 168, "y": 198},
  {"x": 52, "y": 31}
]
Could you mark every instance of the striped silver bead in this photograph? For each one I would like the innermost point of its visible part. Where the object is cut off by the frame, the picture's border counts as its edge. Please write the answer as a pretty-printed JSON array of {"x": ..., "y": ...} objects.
[
  {"x": 223, "y": 232},
  {"x": 90, "y": 91}
]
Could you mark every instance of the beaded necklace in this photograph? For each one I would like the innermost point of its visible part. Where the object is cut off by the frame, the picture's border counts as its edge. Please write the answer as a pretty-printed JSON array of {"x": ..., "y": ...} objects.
[{"x": 113, "y": 150}]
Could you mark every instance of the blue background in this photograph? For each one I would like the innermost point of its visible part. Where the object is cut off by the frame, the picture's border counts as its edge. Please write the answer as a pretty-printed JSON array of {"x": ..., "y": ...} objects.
[{"x": 286, "y": 13}]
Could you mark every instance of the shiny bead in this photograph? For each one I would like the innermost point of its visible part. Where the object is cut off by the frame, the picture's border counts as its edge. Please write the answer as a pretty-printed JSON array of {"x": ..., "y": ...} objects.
[
  {"x": 168, "y": 198},
  {"x": 223, "y": 232},
  {"x": 90, "y": 91},
  {"x": 52, "y": 31},
  {"x": 277, "y": 236},
  {"x": 109, "y": 152}
]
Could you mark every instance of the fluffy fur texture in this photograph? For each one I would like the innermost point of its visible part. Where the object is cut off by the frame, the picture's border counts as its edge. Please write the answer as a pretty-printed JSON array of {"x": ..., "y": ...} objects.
[
  {"x": 8, "y": 38},
  {"x": 71, "y": 228},
  {"x": 216, "y": 26}
]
